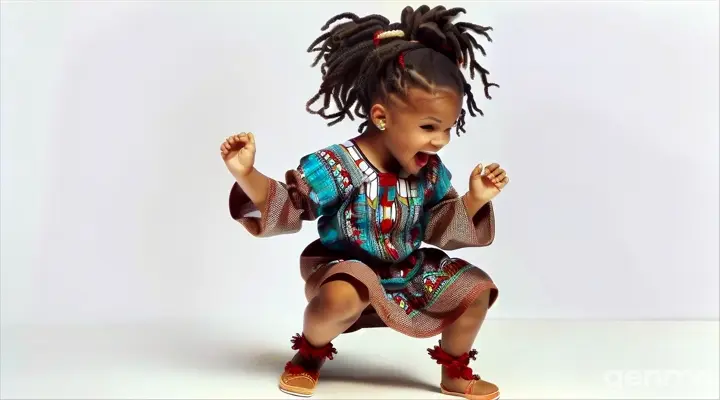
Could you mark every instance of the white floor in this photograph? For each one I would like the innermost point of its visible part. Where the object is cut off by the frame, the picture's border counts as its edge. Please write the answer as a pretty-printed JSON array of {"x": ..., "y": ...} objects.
[{"x": 527, "y": 359}]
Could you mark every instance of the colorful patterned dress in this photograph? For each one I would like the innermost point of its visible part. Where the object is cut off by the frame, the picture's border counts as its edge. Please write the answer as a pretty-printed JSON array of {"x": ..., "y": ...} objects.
[{"x": 371, "y": 226}]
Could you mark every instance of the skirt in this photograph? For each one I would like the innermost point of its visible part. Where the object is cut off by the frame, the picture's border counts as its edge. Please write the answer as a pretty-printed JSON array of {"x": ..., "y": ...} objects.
[{"x": 418, "y": 296}]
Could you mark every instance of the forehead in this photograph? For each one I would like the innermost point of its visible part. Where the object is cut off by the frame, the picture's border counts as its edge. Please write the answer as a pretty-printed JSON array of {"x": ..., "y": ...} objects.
[{"x": 442, "y": 103}]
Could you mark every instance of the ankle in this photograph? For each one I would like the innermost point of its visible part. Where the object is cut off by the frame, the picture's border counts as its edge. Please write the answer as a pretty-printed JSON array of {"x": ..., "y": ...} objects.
[
  {"x": 308, "y": 356},
  {"x": 312, "y": 342},
  {"x": 308, "y": 350},
  {"x": 454, "y": 367}
]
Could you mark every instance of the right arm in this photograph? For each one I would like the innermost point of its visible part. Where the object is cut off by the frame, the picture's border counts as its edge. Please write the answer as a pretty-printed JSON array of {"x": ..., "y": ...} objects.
[
  {"x": 307, "y": 193},
  {"x": 255, "y": 185}
]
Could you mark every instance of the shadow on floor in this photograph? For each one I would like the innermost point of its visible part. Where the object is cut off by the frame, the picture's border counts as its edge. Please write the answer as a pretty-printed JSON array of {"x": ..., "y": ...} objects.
[
  {"x": 200, "y": 351},
  {"x": 270, "y": 363},
  {"x": 345, "y": 368}
]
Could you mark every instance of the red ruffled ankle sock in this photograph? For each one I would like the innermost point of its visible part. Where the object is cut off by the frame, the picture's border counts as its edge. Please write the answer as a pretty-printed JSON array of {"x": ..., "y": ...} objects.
[
  {"x": 308, "y": 352},
  {"x": 455, "y": 366}
]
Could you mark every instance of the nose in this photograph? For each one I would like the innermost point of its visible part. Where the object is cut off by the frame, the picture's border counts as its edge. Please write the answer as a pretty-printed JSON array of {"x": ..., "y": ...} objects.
[{"x": 440, "y": 141}]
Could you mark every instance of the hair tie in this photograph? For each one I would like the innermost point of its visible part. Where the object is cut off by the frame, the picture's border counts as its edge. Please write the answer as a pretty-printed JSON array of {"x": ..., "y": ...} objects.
[
  {"x": 401, "y": 60},
  {"x": 380, "y": 35},
  {"x": 376, "y": 38}
]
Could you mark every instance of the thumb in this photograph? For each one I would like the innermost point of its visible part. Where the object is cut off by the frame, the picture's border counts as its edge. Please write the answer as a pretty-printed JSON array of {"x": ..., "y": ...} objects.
[
  {"x": 251, "y": 137},
  {"x": 477, "y": 171}
]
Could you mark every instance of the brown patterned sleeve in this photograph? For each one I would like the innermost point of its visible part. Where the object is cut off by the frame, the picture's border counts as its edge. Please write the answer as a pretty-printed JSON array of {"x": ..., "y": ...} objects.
[
  {"x": 287, "y": 205},
  {"x": 449, "y": 226}
]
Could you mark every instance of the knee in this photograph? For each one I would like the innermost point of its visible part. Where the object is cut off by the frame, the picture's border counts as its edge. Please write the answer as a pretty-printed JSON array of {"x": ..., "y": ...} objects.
[
  {"x": 342, "y": 298},
  {"x": 481, "y": 303}
]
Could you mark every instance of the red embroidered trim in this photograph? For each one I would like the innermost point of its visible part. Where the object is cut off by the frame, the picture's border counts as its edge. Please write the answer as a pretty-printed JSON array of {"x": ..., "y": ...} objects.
[{"x": 457, "y": 367}]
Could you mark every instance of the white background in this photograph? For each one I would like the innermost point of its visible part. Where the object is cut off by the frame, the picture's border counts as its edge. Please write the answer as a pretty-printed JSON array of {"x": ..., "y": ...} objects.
[{"x": 114, "y": 197}]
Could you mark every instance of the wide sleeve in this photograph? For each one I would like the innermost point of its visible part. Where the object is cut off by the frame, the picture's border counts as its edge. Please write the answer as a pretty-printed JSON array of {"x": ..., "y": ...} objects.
[
  {"x": 308, "y": 192},
  {"x": 449, "y": 226}
]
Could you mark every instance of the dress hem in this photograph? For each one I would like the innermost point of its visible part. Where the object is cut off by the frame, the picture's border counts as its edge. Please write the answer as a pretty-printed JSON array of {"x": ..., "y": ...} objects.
[{"x": 381, "y": 307}]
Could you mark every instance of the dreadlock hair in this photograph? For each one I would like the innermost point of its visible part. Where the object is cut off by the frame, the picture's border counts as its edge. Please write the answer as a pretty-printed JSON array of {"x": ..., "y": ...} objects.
[{"x": 368, "y": 57}]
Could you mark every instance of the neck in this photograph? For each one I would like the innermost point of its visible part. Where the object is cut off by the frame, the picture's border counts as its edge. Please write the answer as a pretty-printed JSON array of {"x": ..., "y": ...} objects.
[{"x": 373, "y": 146}]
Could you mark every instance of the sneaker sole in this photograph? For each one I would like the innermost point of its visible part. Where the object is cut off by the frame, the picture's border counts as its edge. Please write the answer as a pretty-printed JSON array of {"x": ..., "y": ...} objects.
[
  {"x": 294, "y": 391},
  {"x": 493, "y": 396}
]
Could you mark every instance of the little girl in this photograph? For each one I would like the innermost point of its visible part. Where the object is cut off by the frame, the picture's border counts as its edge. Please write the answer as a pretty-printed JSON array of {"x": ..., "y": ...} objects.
[{"x": 378, "y": 196}]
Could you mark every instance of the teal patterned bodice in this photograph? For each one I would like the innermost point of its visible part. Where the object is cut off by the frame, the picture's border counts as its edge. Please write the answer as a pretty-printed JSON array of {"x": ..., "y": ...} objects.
[{"x": 382, "y": 215}]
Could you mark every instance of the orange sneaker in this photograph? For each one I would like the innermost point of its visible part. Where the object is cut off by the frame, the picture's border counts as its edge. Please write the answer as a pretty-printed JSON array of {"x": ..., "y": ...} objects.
[
  {"x": 303, "y": 371},
  {"x": 459, "y": 380}
]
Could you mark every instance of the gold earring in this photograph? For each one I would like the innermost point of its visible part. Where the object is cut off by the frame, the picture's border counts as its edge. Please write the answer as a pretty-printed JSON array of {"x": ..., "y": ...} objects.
[{"x": 381, "y": 124}]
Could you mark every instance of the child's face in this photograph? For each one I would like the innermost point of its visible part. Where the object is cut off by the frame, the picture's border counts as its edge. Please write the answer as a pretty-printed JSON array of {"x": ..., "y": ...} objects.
[{"x": 421, "y": 126}]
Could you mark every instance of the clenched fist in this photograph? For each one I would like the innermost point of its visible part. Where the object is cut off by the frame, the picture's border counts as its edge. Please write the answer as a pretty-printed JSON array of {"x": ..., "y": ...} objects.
[{"x": 238, "y": 152}]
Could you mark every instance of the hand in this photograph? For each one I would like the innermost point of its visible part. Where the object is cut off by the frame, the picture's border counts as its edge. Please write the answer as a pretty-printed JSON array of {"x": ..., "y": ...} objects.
[
  {"x": 238, "y": 152},
  {"x": 484, "y": 186}
]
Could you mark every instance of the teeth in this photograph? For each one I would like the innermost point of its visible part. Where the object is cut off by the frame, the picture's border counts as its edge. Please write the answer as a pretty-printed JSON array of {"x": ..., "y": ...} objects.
[{"x": 432, "y": 153}]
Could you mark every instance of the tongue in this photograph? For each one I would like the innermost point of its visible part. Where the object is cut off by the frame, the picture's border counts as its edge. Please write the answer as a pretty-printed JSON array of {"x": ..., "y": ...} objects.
[{"x": 422, "y": 158}]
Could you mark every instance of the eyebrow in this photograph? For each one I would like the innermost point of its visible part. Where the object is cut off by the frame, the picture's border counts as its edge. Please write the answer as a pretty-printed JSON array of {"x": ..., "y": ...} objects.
[{"x": 434, "y": 119}]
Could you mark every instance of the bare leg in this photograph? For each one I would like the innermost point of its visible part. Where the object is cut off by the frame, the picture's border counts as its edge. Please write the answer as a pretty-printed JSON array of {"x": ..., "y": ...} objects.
[
  {"x": 337, "y": 306},
  {"x": 458, "y": 339}
]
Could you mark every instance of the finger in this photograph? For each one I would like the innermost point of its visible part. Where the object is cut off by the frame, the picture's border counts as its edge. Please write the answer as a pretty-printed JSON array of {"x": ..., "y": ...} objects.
[
  {"x": 226, "y": 146},
  {"x": 504, "y": 182},
  {"x": 476, "y": 172},
  {"x": 490, "y": 170},
  {"x": 499, "y": 175},
  {"x": 237, "y": 141},
  {"x": 240, "y": 138},
  {"x": 224, "y": 150},
  {"x": 243, "y": 138},
  {"x": 251, "y": 137}
]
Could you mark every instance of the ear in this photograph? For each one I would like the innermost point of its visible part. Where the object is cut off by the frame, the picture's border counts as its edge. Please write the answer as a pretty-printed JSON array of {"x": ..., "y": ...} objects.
[{"x": 378, "y": 113}]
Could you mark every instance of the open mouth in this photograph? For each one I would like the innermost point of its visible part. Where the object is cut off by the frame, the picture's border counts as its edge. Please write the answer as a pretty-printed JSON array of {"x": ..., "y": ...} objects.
[{"x": 422, "y": 158}]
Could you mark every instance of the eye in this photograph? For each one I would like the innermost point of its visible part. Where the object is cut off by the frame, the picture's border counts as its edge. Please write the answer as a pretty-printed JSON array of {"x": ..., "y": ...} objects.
[{"x": 428, "y": 128}]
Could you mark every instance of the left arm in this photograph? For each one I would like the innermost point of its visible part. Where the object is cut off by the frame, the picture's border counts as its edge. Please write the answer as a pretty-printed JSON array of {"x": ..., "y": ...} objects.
[{"x": 457, "y": 222}]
